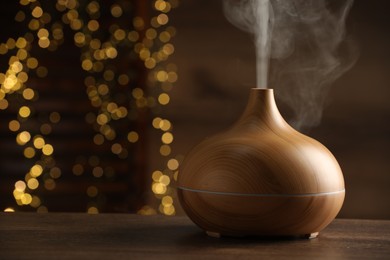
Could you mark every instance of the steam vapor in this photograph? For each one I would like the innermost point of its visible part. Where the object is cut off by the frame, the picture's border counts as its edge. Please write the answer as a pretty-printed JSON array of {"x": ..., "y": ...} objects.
[{"x": 305, "y": 41}]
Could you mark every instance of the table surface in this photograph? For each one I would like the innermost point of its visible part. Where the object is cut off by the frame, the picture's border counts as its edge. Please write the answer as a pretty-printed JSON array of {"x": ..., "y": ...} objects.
[{"x": 127, "y": 236}]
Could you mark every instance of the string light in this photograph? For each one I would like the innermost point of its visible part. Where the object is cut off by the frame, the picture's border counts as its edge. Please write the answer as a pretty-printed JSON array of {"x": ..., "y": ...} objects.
[{"x": 107, "y": 87}]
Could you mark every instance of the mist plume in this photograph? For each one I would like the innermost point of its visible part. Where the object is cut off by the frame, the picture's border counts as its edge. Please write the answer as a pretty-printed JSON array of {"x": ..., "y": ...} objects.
[{"x": 304, "y": 43}]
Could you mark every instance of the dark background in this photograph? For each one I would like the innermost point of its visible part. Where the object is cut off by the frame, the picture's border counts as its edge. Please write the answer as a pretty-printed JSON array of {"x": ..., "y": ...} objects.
[{"x": 217, "y": 69}]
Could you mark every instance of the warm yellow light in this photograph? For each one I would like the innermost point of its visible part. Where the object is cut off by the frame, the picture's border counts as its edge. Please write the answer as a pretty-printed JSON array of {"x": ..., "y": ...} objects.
[
  {"x": 32, "y": 63},
  {"x": 164, "y": 36},
  {"x": 164, "y": 179},
  {"x": 9, "y": 209},
  {"x": 163, "y": 99},
  {"x": 151, "y": 33},
  {"x": 111, "y": 52},
  {"x": 116, "y": 148},
  {"x": 87, "y": 64},
  {"x": 146, "y": 211},
  {"x": 103, "y": 89},
  {"x": 165, "y": 150},
  {"x": 44, "y": 42},
  {"x": 72, "y": 14},
  {"x": 76, "y": 24},
  {"x": 159, "y": 188},
  {"x": 150, "y": 63},
  {"x": 47, "y": 149},
  {"x": 111, "y": 107},
  {"x": 22, "y": 76},
  {"x": 156, "y": 122},
  {"x": 167, "y": 201},
  {"x": 168, "y": 49},
  {"x": 162, "y": 19},
  {"x": 26, "y": 198},
  {"x": 32, "y": 184},
  {"x": 165, "y": 125},
  {"x": 79, "y": 38},
  {"x": 121, "y": 112},
  {"x": 39, "y": 142},
  {"x": 93, "y": 25},
  {"x": 17, "y": 194},
  {"x": 137, "y": 93},
  {"x": 102, "y": 119},
  {"x": 144, "y": 54},
  {"x": 160, "y": 5},
  {"x": 169, "y": 210},
  {"x": 119, "y": 34},
  {"x": 167, "y": 138},
  {"x": 92, "y": 210},
  {"x": 132, "y": 137},
  {"x": 156, "y": 175},
  {"x": 22, "y": 54},
  {"x": 37, "y": 12},
  {"x": 36, "y": 170},
  {"x": 116, "y": 11},
  {"x": 108, "y": 132},
  {"x": 133, "y": 36},
  {"x": 20, "y": 186},
  {"x": 93, "y": 7},
  {"x": 95, "y": 44},
  {"x": 14, "y": 125},
  {"x": 21, "y": 43},
  {"x": 43, "y": 33},
  {"x": 23, "y": 137},
  {"x": 35, "y": 202},
  {"x": 3, "y": 104},
  {"x": 8, "y": 82},
  {"x": 173, "y": 164},
  {"x": 28, "y": 94},
  {"x": 29, "y": 152},
  {"x": 162, "y": 75}
]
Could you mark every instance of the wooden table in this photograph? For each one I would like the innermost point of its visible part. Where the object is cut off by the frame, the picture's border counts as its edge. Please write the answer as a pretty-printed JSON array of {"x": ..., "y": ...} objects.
[{"x": 126, "y": 236}]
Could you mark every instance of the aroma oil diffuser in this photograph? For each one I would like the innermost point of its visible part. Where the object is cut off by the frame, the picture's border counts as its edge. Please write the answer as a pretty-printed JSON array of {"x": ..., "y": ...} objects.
[{"x": 261, "y": 177}]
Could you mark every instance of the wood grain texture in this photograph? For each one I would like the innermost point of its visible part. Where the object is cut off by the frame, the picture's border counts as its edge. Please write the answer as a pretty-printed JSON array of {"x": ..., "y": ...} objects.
[
  {"x": 128, "y": 236},
  {"x": 262, "y": 155},
  {"x": 234, "y": 215}
]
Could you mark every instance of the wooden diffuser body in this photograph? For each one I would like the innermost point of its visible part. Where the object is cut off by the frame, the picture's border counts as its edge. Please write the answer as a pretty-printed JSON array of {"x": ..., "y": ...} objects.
[{"x": 261, "y": 177}]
